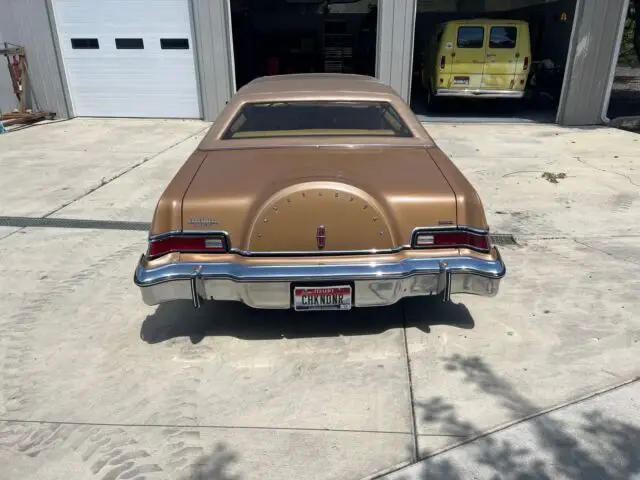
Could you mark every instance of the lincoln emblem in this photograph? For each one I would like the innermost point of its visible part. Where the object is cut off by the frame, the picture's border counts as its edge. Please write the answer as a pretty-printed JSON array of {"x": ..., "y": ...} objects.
[{"x": 320, "y": 237}]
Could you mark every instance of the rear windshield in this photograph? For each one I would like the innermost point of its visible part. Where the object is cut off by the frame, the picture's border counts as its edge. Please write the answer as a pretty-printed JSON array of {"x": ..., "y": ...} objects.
[
  {"x": 326, "y": 118},
  {"x": 503, "y": 37},
  {"x": 470, "y": 37}
]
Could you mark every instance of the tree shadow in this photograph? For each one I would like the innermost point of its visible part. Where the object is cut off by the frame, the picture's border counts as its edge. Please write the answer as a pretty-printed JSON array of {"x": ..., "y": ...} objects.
[
  {"x": 591, "y": 446},
  {"x": 180, "y": 319},
  {"x": 214, "y": 466}
]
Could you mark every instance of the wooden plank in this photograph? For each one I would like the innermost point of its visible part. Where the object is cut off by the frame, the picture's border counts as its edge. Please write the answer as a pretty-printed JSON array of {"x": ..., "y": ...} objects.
[{"x": 25, "y": 118}]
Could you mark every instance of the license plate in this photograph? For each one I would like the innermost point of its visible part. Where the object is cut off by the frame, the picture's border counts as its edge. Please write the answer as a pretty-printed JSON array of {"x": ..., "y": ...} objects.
[
  {"x": 322, "y": 298},
  {"x": 461, "y": 81}
]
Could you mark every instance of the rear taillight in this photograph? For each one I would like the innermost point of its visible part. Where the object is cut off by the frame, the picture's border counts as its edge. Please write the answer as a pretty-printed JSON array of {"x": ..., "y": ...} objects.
[
  {"x": 443, "y": 61},
  {"x": 452, "y": 239},
  {"x": 526, "y": 63},
  {"x": 187, "y": 243}
]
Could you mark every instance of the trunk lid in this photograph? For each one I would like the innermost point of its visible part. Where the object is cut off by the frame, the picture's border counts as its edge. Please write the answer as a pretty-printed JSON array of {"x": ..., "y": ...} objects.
[{"x": 318, "y": 199}]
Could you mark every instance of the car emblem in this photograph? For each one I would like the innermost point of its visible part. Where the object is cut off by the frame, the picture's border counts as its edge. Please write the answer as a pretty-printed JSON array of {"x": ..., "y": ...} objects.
[
  {"x": 202, "y": 221},
  {"x": 320, "y": 237}
]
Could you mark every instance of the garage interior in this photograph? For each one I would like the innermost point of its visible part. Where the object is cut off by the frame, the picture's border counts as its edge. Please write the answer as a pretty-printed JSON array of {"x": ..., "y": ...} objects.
[
  {"x": 301, "y": 36},
  {"x": 550, "y": 24}
]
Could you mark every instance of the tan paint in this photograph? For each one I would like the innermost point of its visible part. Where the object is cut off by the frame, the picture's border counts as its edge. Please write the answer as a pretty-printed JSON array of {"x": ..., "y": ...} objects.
[
  {"x": 271, "y": 194},
  {"x": 469, "y": 206},
  {"x": 274, "y": 199},
  {"x": 168, "y": 214}
]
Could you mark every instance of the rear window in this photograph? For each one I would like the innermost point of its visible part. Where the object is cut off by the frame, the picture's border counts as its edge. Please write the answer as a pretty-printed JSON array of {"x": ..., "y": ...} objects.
[
  {"x": 470, "y": 37},
  {"x": 328, "y": 118},
  {"x": 503, "y": 37}
]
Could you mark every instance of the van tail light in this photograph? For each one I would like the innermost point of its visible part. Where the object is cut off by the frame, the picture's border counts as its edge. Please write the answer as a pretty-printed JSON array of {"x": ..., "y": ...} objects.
[
  {"x": 452, "y": 239},
  {"x": 443, "y": 61},
  {"x": 526, "y": 63},
  {"x": 187, "y": 243}
]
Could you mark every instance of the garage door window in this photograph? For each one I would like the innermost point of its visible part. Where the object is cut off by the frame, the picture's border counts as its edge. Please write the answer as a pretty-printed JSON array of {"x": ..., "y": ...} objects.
[
  {"x": 503, "y": 37},
  {"x": 129, "y": 43},
  {"x": 174, "y": 43},
  {"x": 470, "y": 37},
  {"x": 84, "y": 43}
]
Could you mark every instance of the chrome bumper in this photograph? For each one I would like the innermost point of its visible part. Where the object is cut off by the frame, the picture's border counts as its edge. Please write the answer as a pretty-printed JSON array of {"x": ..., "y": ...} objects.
[
  {"x": 262, "y": 286},
  {"x": 479, "y": 93}
]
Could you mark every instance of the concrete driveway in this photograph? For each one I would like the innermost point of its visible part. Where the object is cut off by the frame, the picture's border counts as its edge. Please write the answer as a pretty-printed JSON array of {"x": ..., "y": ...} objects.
[{"x": 95, "y": 384}]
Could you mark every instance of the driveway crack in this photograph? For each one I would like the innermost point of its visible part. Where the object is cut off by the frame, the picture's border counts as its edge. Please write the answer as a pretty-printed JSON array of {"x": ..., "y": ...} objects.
[
  {"x": 108, "y": 180},
  {"x": 604, "y": 251},
  {"x": 629, "y": 179},
  {"x": 412, "y": 408}
]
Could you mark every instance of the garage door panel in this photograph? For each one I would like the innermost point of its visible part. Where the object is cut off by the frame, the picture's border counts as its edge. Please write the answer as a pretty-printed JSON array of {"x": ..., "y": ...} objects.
[
  {"x": 155, "y": 78},
  {"x": 167, "y": 15}
]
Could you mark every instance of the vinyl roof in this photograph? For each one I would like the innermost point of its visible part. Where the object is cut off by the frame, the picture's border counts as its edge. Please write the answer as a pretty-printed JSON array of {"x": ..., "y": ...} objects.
[{"x": 317, "y": 83}]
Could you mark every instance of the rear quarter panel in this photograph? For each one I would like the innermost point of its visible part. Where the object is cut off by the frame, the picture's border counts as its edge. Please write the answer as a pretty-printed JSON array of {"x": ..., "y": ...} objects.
[
  {"x": 470, "y": 210},
  {"x": 168, "y": 212}
]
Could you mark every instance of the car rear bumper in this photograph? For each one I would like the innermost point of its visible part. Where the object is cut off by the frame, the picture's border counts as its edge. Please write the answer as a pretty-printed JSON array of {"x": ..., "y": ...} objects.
[
  {"x": 270, "y": 286},
  {"x": 479, "y": 93}
]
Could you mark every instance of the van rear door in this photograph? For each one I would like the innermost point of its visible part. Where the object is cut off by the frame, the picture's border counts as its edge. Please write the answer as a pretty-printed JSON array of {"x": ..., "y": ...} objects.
[
  {"x": 468, "y": 56},
  {"x": 502, "y": 57}
]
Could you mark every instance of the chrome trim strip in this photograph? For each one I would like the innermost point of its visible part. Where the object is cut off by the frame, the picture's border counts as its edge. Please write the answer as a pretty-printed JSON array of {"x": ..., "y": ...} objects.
[
  {"x": 449, "y": 228},
  {"x": 145, "y": 277},
  {"x": 320, "y": 253},
  {"x": 194, "y": 233},
  {"x": 337, "y": 253},
  {"x": 477, "y": 92}
]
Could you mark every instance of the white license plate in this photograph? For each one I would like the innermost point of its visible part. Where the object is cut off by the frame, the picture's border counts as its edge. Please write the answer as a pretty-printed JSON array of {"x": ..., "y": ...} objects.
[
  {"x": 336, "y": 297},
  {"x": 461, "y": 81}
]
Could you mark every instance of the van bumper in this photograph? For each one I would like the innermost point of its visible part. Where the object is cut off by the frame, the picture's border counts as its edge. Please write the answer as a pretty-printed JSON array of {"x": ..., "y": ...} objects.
[{"x": 479, "y": 93}]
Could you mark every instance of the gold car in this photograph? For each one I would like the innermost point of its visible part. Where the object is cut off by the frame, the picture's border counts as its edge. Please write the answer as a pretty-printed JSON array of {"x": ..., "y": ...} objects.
[{"x": 317, "y": 192}]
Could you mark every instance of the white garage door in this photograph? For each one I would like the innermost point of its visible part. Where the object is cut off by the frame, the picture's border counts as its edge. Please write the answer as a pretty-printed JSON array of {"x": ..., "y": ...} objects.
[{"x": 128, "y": 58}]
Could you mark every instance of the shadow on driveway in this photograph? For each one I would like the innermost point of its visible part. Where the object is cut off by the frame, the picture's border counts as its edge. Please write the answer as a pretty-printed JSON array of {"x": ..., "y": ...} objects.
[
  {"x": 214, "y": 466},
  {"x": 180, "y": 319},
  {"x": 598, "y": 446}
]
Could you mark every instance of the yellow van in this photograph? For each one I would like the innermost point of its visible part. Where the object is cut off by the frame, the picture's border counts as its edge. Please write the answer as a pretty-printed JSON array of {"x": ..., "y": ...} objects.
[{"x": 487, "y": 58}]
